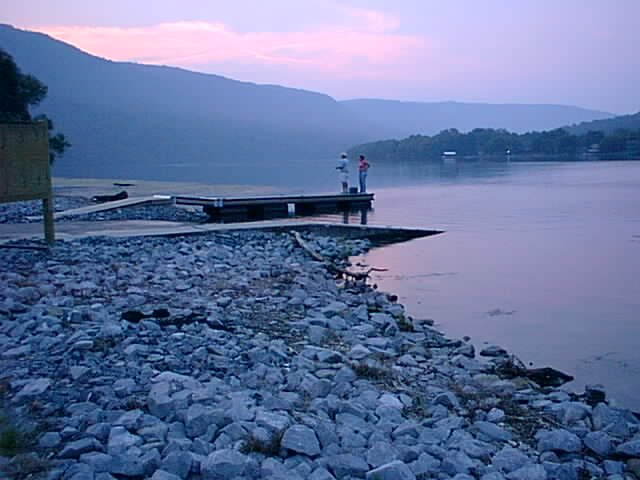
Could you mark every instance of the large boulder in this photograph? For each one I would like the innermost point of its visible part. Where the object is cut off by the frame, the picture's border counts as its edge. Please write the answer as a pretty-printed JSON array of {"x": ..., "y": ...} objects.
[
  {"x": 223, "y": 464},
  {"x": 301, "y": 439}
]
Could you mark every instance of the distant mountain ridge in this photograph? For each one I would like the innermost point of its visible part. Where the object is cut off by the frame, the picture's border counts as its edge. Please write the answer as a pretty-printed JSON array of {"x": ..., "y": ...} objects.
[
  {"x": 127, "y": 119},
  {"x": 428, "y": 118},
  {"x": 131, "y": 120},
  {"x": 629, "y": 122}
]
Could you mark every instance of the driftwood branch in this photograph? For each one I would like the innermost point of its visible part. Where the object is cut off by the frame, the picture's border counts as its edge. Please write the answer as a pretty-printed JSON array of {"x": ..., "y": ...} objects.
[
  {"x": 545, "y": 376},
  {"x": 332, "y": 267}
]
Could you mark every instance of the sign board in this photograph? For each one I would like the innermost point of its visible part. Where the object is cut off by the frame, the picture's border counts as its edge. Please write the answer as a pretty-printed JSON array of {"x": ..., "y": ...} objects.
[{"x": 24, "y": 167}]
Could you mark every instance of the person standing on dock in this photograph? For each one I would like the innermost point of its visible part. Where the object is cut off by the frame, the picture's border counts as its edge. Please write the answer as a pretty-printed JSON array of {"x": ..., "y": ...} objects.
[
  {"x": 363, "y": 168},
  {"x": 343, "y": 172}
]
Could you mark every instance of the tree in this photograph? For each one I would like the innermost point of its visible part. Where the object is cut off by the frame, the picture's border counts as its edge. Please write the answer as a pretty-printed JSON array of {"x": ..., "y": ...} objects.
[{"x": 19, "y": 91}]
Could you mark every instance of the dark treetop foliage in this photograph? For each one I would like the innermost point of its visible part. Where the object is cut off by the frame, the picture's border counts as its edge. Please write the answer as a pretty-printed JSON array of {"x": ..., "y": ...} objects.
[
  {"x": 556, "y": 144},
  {"x": 19, "y": 91}
]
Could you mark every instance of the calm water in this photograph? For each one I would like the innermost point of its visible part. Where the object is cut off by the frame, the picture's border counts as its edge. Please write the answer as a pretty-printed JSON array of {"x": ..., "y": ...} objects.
[{"x": 542, "y": 259}]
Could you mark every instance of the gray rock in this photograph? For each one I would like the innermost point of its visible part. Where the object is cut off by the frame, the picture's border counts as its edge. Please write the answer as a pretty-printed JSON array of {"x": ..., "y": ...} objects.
[
  {"x": 316, "y": 388},
  {"x": 447, "y": 399},
  {"x": 558, "y": 440},
  {"x": 100, "y": 431},
  {"x": 100, "y": 462},
  {"x": 159, "y": 402},
  {"x": 561, "y": 471},
  {"x": 467, "y": 350},
  {"x": 493, "y": 351},
  {"x": 614, "y": 421},
  {"x": 78, "y": 372},
  {"x": 177, "y": 463},
  {"x": 50, "y": 440},
  {"x": 79, "y": 471},
  {"x": 223, "y": 464},
  {"x": 395, "y": 470},
  {"x": 77, "y": 448},
  {"x": 492, "y": 476},
  {"x": 381, "y": 453},
  {"x": 317, "y": 334},
  {"x": 130, "y": 420},
  {"x": 631, "y": 448},
  {"x": 132, "y": 465},
  {"x": 389, "y": 400},
  {"x": 321, "y": 474},
  {"x": 425, "y": 464},
  {"x": 301, "y": 439},
  {"x": 34, "y": 388},
  {"x": 476, "y": 448},
  {"x": 272, "y": 421},
  {"x": 120, "y": 440},
  {"x": 492, "y": 431},
  {"x": 347, "y": 464},
  {"x": 599, "y": 443},
  {"x": 495, "y": 415},
  {"x": 110, "y": 329},
  {"x": 571, "y": 412},
  {"x": 457, "y": 462},
  {"x": 104, "y": 476},
  {"x": 529, "y": 472},
  {"x": 612, "y": 467},
  {"x": 124, "y": 387},
  {"x": 509, "y": 459},
  {"x": 198, "y": 419},
  {"x": 163, "y": 475},
  {"x": 17, "y": 351},
  {"x": 359, "y": 352}
]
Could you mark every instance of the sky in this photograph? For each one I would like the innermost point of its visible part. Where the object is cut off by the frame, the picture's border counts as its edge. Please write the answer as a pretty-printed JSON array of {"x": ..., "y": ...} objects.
[{"x": 572, "y": 52}]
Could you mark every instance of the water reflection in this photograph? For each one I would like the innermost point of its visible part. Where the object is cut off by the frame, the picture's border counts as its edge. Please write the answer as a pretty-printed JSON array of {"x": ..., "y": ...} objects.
[
  {"x": 552, "y": 245},
  {"x": 297, "y": 176}
]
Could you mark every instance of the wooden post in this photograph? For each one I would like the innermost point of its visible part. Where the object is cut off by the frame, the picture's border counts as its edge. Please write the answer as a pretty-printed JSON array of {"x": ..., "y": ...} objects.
[
  {"x": 47, "y": 203},
  {"x": 47, "y": 213}
]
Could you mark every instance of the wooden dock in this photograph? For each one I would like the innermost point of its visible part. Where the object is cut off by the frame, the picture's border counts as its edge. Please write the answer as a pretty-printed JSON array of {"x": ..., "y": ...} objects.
[{"x": 276, "y": 206}]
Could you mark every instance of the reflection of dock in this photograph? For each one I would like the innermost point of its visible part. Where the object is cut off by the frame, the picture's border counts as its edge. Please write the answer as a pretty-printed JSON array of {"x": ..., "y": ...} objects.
[{"x": 258, "y": 208}]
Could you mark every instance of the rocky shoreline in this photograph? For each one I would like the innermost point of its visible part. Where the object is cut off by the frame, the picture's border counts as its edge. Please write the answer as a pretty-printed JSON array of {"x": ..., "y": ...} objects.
[
  {"x": 239, "y": 356},
  {"x": 19, "y": 212}
]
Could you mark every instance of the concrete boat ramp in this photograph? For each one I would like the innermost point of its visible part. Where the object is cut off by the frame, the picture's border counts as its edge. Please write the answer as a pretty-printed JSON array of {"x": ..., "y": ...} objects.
[{"x": 142, "y": 228}]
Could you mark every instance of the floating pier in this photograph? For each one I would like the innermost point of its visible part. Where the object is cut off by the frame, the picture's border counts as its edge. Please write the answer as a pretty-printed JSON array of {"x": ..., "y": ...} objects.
[{"x": 276, "y": 206}]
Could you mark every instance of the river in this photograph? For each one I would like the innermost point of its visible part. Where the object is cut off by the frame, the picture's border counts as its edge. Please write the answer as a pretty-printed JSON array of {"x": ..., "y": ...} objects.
[{"x": 542, "y": 259}]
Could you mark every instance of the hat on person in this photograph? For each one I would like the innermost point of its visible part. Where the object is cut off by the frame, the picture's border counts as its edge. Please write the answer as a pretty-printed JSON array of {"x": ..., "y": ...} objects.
[{"x": 343, "y": 155}]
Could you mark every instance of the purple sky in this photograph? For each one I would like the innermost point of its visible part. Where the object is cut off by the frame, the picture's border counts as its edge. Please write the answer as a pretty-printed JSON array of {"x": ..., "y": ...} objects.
[{"x": 578, "y": 52}]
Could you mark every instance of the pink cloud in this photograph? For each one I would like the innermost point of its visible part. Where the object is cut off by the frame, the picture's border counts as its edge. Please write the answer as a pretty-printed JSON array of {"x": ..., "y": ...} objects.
[{"x": 368, "y": 46}]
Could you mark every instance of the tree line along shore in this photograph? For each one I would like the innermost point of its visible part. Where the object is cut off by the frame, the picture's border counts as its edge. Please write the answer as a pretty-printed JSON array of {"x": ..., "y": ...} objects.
[{"x": 553, "y": 145}]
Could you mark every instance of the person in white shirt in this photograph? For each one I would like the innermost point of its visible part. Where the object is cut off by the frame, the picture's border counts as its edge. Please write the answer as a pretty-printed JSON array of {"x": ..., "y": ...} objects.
[{"x": 343, "y": 172}]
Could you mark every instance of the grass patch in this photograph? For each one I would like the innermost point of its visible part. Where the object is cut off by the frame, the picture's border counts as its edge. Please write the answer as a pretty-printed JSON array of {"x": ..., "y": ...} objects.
[
  {"x": 371, "y": 372},
  {"x": 405, "y": 325},
  {"x": 270, "y": 448},
  {"x": 418, "y": 408},
  {"x": 26, "y": 466},
  {"x": 13, "y": 441}
]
